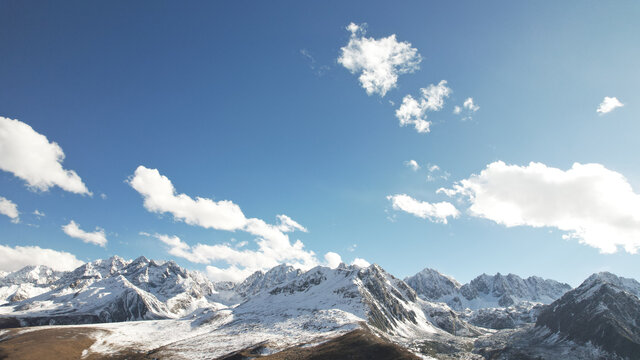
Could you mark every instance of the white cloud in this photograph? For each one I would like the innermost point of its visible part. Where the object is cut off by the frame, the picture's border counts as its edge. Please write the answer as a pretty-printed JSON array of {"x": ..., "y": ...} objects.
[
  {"x": 15, "y": 258},
  {"x": 286, "y": 224},
  {"x": 273, "y": 243},
  {"x": 332, "y": 259},
  {"x": 414, "y": 112},
  {"x": 433, "y": 168},
  {"x": 10, "y": 209},
  {"x": 31, "y": 157},
  {"x": 469, "y": 105},
  {"x": 352, "y": 247},
  {"x": 412, "y": 164},
  {"x": 436, "y": 212},
  {"x": 378, "y": 61},
  {"x": 360, "y": 262},
  {"x": 97, "y": 237},
  {"x": 589, "y": 202},
  {"x": 103, "y": 196},
  {"x": 38, "y": 213},
  {"x": 609, "y": 104},
  {"x": 457, "y": 110}
]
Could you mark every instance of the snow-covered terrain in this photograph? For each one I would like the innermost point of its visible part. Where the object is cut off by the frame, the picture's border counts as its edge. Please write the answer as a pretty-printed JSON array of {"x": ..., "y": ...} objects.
[
  {"x": 485, "y": 291},
  {"x": 145, "y": 305}
]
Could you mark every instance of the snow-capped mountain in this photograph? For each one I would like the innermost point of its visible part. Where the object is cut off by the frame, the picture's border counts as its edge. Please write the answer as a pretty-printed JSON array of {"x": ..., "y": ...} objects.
[
  {"x": 186, "y": 316},
  {"x": 114, "y": 290},
  {"x": 604, "y": 311},
  {"x": 260, "y": 281},
  {"x": 26, "y": 283},
  {"x": 486, "y": 291}
]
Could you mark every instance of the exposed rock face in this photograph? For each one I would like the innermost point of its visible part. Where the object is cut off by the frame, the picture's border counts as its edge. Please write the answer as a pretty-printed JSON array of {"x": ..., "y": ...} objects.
[{"x": 604, "y": 310}]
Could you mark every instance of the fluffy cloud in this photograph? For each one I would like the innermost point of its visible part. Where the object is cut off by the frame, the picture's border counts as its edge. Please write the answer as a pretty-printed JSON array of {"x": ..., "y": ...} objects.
[
  {"x": 97, "y": 237},
  {"x": 31, "y": 157},
  {"x": 414, "y": 111},
  {"x": 608, "y": 104},
  {"x": 378, "y": 61},
  {"x": 274, "y": 246},
  {"x": 436, "y": 212},
  {"x": 10, "y": 209},
  {"x": 360, "y": 262},
  {"x": 332, "y": 259},
  {"x": 412, "y": 164},
  {"x": 15, "y": 258},
  {"x": 469, "y": 105},
  {"x": 589, "y": 202},
  {"x": 241, "y": 263}
]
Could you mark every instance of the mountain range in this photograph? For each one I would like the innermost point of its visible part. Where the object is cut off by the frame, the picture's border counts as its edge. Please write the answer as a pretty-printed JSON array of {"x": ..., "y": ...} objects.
[{"x": 182, "y": 314}]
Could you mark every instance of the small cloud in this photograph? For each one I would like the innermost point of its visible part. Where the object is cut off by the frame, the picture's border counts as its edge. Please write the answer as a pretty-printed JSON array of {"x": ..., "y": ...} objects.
[
  {"x": 360, "y": 262},
  {"x": 379, "y": 62},
  {"x": 103, "y": 196},
  {"x": 332, "y": 259},
  {"x": 241, "y": 244},
  {"x": 414, "y": 111},
  {"x": 97, "y": 237},
  {"x": 352, "y": 247},
  {"x": 313, "y": 65},
  {"x": 412, "y": 164},
  {"x": 469, "y": 105},
  {"x": 608, "y": 105},
  {"x": 433, "y": 168},
  {"x": 435, "y": 212},
  {"x": 38, "y": 213},
  {"x": 10, "y": 209}
]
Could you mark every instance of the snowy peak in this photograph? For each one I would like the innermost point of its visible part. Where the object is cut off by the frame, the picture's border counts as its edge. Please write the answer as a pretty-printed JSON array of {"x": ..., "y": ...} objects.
[
  {"x": 36, "y": 275},
  {"x": 433, "y": 285},
  {"x": 114, "y": 290},
  {"x": 599, "y": 279},
  {"x": 604, "y": 311},
  {"x": 485, "y": 291},
  {"x": 260, "y": 281}
]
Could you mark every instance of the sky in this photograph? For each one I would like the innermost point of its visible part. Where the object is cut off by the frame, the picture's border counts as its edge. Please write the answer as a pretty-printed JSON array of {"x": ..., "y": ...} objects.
[{"x": 469, "y": 137}]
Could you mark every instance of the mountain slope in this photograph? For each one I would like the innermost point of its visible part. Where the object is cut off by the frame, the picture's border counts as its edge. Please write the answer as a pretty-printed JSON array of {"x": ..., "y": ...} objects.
[
  {"x": 27, "y": 282},
  {"x": 604, "y": 310},
  {"x": 116, "y": 290},
  {"x": 485, "y": 291}
]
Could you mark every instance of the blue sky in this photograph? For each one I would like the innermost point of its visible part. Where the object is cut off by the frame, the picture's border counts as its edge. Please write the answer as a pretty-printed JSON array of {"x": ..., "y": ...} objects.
[{"x": 247, "y": 102}]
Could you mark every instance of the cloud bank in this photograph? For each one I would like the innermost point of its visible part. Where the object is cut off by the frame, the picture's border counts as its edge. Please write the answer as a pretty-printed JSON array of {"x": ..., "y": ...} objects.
[
  {"x": 31, "y": 157},
  {"x": 378, "y": 61},
  {"x": 15, "y": 258},
  {"x": 273, "y": 243},
  {"x": 589, "y": 202}
]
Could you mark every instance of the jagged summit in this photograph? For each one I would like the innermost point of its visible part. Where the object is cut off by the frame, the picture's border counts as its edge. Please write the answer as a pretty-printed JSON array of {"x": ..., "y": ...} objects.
[
  {"x": 485, "y": 291},
  {"x": 604, "y": 310}
]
